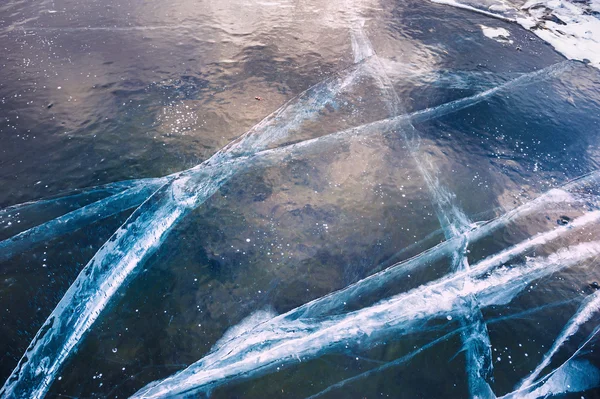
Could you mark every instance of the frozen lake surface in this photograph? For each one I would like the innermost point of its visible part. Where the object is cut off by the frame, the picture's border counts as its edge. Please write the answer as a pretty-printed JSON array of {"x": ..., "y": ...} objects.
[{"x": 284, "y": 199}]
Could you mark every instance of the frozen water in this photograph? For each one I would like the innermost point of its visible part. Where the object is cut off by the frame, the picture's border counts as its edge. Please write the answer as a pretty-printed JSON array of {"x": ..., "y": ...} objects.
[
  {"x": 571, "y": 27},
  {"x": 415, "y": 199},
  {"x": 278, "y": 344}
]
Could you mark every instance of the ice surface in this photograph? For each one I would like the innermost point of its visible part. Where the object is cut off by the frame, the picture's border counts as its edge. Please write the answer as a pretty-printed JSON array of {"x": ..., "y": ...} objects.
[
  {"x": 323, "y": 313},
  {"x": 121, "y": 256},
  {"x": 571, "y": 376},
  {"x": 79, "y": 218},
  {"x": 283, "y": 341},
  {"x": 264, "y": 340},
  {"x": 571, "y": 27},
  {"x": 589, "y": 308}
]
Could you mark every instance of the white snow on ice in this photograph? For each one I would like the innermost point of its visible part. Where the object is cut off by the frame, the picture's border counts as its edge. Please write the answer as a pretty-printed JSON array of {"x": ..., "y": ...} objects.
[
  {"x": 497, "y": 34},
  {"x": 572, "y": 28}
]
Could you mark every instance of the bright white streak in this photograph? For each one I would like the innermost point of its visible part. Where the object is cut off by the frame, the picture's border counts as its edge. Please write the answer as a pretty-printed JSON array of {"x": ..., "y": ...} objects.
[
  {"x": 296, "y": 340},
  {"x": 587, "y": 309}
]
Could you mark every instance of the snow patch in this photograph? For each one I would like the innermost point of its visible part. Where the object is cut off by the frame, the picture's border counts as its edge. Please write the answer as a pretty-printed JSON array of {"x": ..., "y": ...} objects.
[
  {"x": 498, "y": 34},
  {"x": 571, "y": 27}
]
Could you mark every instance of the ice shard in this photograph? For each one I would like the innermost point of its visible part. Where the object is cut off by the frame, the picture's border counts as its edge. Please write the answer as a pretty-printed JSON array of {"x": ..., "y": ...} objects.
[
  {"x": 285, "y": 341},
  {"x": 587, "y": 310},
  {"x": 565, "y": 378}
]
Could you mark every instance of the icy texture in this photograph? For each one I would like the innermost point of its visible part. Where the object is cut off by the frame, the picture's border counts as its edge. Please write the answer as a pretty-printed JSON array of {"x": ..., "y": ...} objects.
[
  {"x": 574, "y": 376},
  {"x": 571, "y": 27},
  {"x": 588, "y": 309},
  {"x": 283, "y": 342},
  {"x": 143, "y": 232},
  {"x": 265, "y": 340},
  {"x": 247, "y": 352},
  {"x": 75, "y": 220}
]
